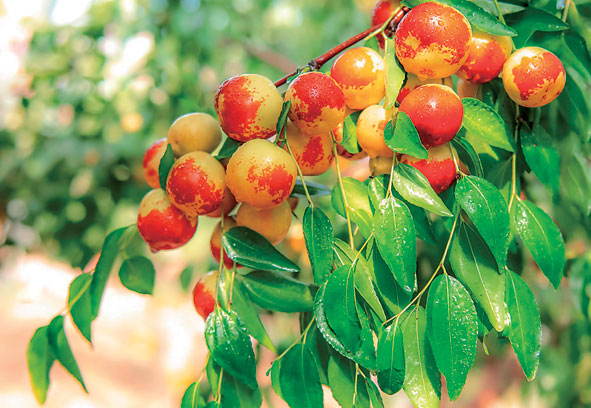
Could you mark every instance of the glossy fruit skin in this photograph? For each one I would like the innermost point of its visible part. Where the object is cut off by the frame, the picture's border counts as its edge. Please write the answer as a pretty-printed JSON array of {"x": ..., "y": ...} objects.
[
  {"x": 161, "y": 225},
  {"x": 436, "y": 111},
  {"x": 151, "y": 162},
  {"x": 196, "y": 184},
  {"x": 413, "y": 82},
  {"x": 313, "y": 153},
  {"x": 261, "y": 174},
  {"x": 194, "y": 132},
  {"x": 228, "y": 204},
  {"x": 215, "y": 243},
  {"x": 271, "y": 223},
  {"x": 432, "y": 40},
  {"x": 370, "y": 131},
  {"x": 317, "y": 103},
  {"x": 248, "y": 107},
  {"x": 380, "y": 165},
  {"x": 204, "y": 294},
  {"x": 438, "y": 167},
  {"x": 486, "y": 57},
  {"x": 468, "y": 89},
  {"x": 382, "y": 12},
  {"x": 360, "y": 74},
  {"x": 533, "y": 77}
]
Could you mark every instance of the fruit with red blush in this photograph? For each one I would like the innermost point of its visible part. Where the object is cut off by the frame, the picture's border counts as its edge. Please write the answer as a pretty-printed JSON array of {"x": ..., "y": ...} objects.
[
  {"x": 438, "y": 167},
  {"x": 151, "y": 162},
  {"x": 370, "y": 131},
  {"x": 382, "y": 11},
  {"x": 313, "y": 153},
  {"x": 486, "y": 57},
  {"x": 204, "y": 294},
  {"x": 228, "y": 204}
]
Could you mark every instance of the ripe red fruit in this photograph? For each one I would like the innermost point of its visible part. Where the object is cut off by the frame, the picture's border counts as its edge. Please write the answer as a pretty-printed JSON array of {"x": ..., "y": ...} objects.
[
  {"x": 271, "y": 223},
  {"x": 438, "y": 167},
  {"x": 248, "y": 107},
  {"x": 533, "y": 77},
  {"x": 196, "y": 184},
  {"x": 228, "y": 204},
  {"x": 194, "y": 132},
  {"x": 317, "y": 103},
  {"x": 161, "y": 225},
  {"x": 204, "y": 294},
  {"x": 313, "y": 153},
  {"x": 436, "y": 111},
  {"x": 413, "y": 82},
  {"x": 152, "y": 162},
  {"x": 261, "y": 173},
  {"x": 382, "y": 11},
  {"x": 486, "y": 57},
  {"x": 360, "y": 74},
  {"x": 432, "y": 40},
  {"x": 370, "y": 131},
  {"x": 215, "y": 243}
]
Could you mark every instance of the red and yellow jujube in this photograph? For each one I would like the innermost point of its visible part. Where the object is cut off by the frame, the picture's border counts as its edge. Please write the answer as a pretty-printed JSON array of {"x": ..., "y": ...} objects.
[
  {"x": 271, "y": 223},
  {"x": 151, "y": 162}
]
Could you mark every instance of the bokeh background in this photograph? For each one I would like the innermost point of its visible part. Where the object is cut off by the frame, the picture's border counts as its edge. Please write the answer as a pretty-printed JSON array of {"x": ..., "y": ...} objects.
[{"x": 85, "y": 87}]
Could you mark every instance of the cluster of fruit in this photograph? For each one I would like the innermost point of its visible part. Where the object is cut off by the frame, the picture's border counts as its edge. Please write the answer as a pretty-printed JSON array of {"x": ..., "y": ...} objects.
[{"x": 432, "y": 42}]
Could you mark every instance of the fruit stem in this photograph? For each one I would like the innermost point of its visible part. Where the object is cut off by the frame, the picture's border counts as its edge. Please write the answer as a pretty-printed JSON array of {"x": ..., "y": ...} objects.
[
  {"x": 514, "y": 162},
  {"x": 342, "y": 188},
  {"x": 566, "y": 7},
  {"x": 302, "y": 336},
  {"x": 318, "y": 62}
]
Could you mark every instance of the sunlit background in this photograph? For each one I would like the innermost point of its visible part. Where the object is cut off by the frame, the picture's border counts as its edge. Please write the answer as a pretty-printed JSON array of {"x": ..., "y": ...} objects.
[{"x": 85, "y": 87}]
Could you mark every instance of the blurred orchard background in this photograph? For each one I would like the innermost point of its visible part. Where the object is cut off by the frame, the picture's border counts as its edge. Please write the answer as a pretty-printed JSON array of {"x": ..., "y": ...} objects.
[{"x": 85, "y": 87}]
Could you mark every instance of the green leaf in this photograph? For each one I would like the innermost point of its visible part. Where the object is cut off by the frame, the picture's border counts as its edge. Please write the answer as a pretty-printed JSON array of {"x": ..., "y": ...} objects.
[
  {"x": 319, "y": 238},
  {"x": 103, "y": 268},
  {"x": 283, "y": 117},
  {"x": 372, "y": 43},
  {"x": 487, "y": 209},
  {"x": 230, "y": 346},
  {"x": 315, "y": 189},
  {"x": 452, "y": 327},
  {"x": 228, "y": 148},
  {"x": 397, "y": 241},
  {"x": 540, "y": 155},
  {"x": 341, "y": 379},
  {"x": 243, "y": 306},
  {"x": 395, "y": 75},
  {"x": 79, "y": 303},
  {"x": 422, "y": 382},
  {"x": 542, "y": 237},
  {"x": 39, "y": 362},
  {"x": 359, "y": 208},
  {"x": 390, "y": 358},
  {"x": 191, "y": 397},
  {"x": 186, "y": 278},
  {"x": 327, "y": 332},
  {"x": 506, "y": 8},
  {"x": 468, "y": 155},
  {"x": 274, "y": 374},
  {"x": 233, "y": 393},
  {"x": 391, "y": 294},
  {"x": 576, "y": 183},
  {"x": 138, "y": 274},
  {"x": 403, "y": 137},
  {"x": 56, "y": 336},
  {"x": 275, "y": 291},
  {"x": 525, "y": 330},
  {"x": 299, "y": 379},
  {"x": 476, "y": 268},
  {"x": 374, "y": 393},
  {"x": 350, "y": 133},
  {"x": 415, "y": 188},
  {"x": 485, "y": 123},
  {"x": 531, "y": 20},
  {"x": 249, "y": 248},
  {"x": 165, "y": 165}
]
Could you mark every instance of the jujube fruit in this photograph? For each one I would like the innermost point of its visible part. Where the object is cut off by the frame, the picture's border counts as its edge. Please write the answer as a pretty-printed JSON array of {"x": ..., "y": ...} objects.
[
  {"x": 151, "y": 162},
  {"x": 312, "y": 152},
  {"x": 380, "y": 165},
  {"x": 204, "y": 294},
  {"x": 486, "y": 57},
  {"x": 194, "y": 132},
  {"x": 215, "y": 242},
  {"x": 370, "y": 131},
  {"x": 438, "y": 167},
  {"x": 271, "y": 223},
  {"x": 228, "y": 204}
]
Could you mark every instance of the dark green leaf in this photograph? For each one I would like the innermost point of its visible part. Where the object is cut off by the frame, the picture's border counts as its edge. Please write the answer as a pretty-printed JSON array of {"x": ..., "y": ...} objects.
[
  {"x": 249, "y": 248},
  {"x": 228, "y": 148},
  {"x": 327, "y": 332},
  {"x": 191, "y": 397},
  {"x": 358, "y": 205},
  {"x": 230, "y": 346},
  {"x": 506, "y": 8},
  {"x": 542, "y": 237},
  {"x": 403, "y": 137},
  {"x": 298, "y": 376},
  {"x": 39, "y": 362},
  {"x": 319, "y": 238},
  {"x": 315, "y": 189},
  {"x": 391, "y": 294},
  {"x": 531, "y": 20},
  {"x": 186, "y": 278},
  {"x": 452, "y": 327},
  {"x": 468, "y": 155},
  {"x": 374, "y": 393},
  {"x": 165, "y": 165},
  {"x": 476, "y": 268},
  {"x": 350, "y": 133},
  {"x": 395, "y": 75},
  {"x": 61, "y": 348},
  {"x": 283, "y": 116},
  {"x": 525, "y": 330},
  {"x": 138, "y": 274},
  {"x": 540, "y": 155},
  {"x": 487, "y": 209},
  {"x": 79, "y": 304},
  {"x": 341, "y": 379},
  {"x": 390, "y": 358},
  {"x": 576, "y": 183},
  {"x": 484, "y": 122},
  {"x": 422, "y": 382},
  {"x": 415, "y": 188},
  {"x": 579, "y": 278},
  {"x": 396, "y": 239},
  {"x": 275, "y": 291},
  {"x": 233, "y": 393}
]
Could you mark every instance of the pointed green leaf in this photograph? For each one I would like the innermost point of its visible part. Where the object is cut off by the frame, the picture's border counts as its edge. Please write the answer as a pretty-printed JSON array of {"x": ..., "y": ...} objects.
[
  {"x": 39, "y": 362},
  {"x": 283, "y": 116},
  {"x": 233, "y": 393},
  {"x": 395, "y": 75},
  {"x": 315, "y": 189},
  {"x": 415, "y": 188},
  {"x": 274, "y": 373},
  {"x": 298, "y": 376},
  {"x": 327, "y": 332},
  {"x": 278, "y": 292},
  {"x": 138, "y": 274},
  {"x": 468, "y": 155},
  {"x": 60, "y": 348},
  {"x": 525, "y": 330},
  {"x": 390, "y": 358},
  {"x": 249, "y": 248},
  {"x": 357, "y": 201},
  {"x": 476, "y": 268},
  {"x": 540, "y": 155},
  {"x": 487, "y": 209},
  {"x": 402, "y": 137},
  {"x": 79, "y": 304},
  {"x": 227, "y": 150},
  {"x": 542, "y": 237},
  {"x": 452, "y": 327},
  {"x": 350, "y": 133},
  {"x": 165, "y": 165},
  {"x": 374, "y": 393},
  {"x": 191, "y": 397},
  {"x": 422, "y": 382},
  {"x": 484, "y": 122},
  {"x": 341, "y": 379},
  {"x": 532, "y": 19},
  {"x": 230, "y": 346},
  {"x": 319, "y": 238},
  {"x": 391, "y": 294}
]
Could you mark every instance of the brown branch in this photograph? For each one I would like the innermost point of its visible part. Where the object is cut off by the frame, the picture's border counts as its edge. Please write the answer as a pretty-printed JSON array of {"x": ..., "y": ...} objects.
[{"x": 318, "y": 62}]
